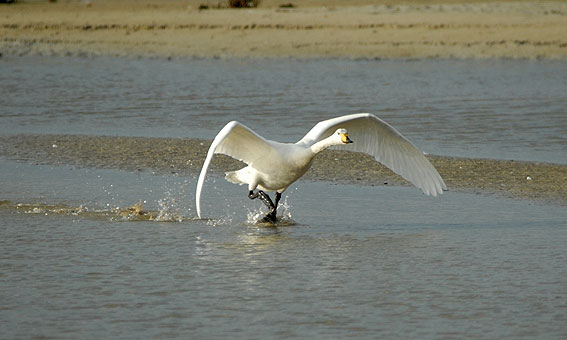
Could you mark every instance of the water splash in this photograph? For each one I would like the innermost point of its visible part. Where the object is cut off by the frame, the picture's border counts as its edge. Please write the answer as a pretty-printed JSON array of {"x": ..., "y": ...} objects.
[
  {"x": 49, "y": 209},
  {"x": 135, "y": 212},
  {"x": 217, "y": 222},
  {"x": 172, "y": 204},
  {"x": 283, "y": 218},
  {"x": 252, "y": 217},
  {"x": 168, "y": 210},
  {"x": 286, "y": 213}
]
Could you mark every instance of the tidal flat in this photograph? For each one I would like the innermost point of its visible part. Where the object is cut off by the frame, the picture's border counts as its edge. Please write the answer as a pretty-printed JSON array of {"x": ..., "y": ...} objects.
[{"x": 544, "y": 182}]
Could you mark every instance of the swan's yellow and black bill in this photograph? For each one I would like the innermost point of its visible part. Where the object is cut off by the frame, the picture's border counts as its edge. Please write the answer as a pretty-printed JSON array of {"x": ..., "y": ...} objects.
[{"x": 345, "y": 139}]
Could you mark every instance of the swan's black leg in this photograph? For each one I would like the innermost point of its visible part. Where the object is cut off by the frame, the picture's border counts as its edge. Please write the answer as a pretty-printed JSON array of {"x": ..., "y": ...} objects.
[
  {"x": 271, "y": 215},
  {"x": 263, "y": 197},
  {"x": 278, "y": 196}
]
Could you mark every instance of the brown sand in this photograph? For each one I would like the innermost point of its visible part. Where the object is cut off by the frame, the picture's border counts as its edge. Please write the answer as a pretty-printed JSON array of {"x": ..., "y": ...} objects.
[
  {"x": 543, "y": 182},
  {"x": 313, "y": 28}
]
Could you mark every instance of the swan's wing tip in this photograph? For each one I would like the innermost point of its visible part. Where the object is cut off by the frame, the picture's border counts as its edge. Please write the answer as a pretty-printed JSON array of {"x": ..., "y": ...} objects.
[
  {"x": 198, "y": 209},
  {"x": 436, "y": 187}
]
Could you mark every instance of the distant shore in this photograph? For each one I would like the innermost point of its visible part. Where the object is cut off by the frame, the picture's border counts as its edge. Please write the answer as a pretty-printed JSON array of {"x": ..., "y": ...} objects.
[
  {"x": 302, "y": 29},
  {"x": 541, "y": 182}
]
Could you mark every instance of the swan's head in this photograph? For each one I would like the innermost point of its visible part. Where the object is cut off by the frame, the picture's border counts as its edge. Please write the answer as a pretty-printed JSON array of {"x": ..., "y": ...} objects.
[{"x": 342, "y": 135}]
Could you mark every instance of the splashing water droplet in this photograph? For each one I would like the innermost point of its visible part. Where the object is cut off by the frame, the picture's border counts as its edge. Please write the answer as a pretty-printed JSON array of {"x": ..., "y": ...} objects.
[
  {"x": 168, "y": 210},
  {"x": 253, "y": 216},
  {"x": 286, "y": 213}
]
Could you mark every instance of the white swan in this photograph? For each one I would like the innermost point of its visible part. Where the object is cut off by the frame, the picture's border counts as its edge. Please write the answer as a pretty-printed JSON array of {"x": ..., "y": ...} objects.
[{"x": 273, "y": 166}]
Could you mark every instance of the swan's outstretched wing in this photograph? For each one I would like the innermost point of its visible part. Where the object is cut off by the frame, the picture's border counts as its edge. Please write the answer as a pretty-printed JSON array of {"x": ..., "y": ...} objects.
[
  {"x": 377, "y": 138},
  {"x": 239, "y": 142}
]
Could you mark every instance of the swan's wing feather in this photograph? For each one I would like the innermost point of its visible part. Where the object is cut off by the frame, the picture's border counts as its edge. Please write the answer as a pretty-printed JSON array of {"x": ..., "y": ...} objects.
[
  {"x": 237, "y": 141},
  {"x": 379, "y": 139}
]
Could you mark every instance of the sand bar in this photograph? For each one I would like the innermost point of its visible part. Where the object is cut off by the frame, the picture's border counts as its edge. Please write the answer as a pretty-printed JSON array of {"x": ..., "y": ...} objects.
[
  {"x": 542, "y": 182},
  {"x": 310, "y": 29}
]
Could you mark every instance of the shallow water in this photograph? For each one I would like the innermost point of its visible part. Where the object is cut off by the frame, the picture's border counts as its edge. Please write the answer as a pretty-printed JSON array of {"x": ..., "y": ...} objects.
[
  {"x": 501, "y": 109},
  {"x": 347, "y": 260},
  {"x": 354, "y": 261}
]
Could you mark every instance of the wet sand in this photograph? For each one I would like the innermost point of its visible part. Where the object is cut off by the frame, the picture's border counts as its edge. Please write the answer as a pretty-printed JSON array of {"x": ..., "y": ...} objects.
[
  {"x": 311, "y": 29},
  {"x": 542, "y": 182}
]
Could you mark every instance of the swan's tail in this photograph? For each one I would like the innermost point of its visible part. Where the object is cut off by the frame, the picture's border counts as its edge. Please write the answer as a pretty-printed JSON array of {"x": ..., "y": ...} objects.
[
  {"x": 232, "y": 177},
  {"x": 235, "y": 177}
]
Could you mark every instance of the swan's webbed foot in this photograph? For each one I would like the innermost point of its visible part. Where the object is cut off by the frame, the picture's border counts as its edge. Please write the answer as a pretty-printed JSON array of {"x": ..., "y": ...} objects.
[{"x": 271, "y": 215}]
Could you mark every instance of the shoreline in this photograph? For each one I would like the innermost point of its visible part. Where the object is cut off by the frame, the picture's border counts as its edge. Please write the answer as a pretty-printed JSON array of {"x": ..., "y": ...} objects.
[
  {"x": 384, "y": 29},
  {"x": 537, "y": 181}
]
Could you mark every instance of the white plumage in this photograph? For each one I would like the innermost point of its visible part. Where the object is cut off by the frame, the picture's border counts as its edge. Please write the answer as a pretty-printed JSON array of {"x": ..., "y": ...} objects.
[{"x": 273, "y": 166}]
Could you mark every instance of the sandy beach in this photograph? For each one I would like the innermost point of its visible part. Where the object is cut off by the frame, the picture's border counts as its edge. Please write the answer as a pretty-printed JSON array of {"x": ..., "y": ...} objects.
[{"x": 308, "y": 29}]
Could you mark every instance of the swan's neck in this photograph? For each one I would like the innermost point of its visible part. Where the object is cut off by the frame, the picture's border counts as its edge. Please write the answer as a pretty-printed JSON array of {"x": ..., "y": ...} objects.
[{"x": 322, "y": 145}]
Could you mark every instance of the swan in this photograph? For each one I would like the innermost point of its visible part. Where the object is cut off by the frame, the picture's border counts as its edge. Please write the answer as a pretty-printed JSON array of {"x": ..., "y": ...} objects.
[{"x": 273, "y": 166}]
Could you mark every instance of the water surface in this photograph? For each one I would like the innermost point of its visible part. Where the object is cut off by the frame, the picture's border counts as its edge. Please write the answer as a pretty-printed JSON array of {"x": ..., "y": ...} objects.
[
  {"x": 348, "y": 261},
  {"x": 351, "y": 261},
  {"x": 503, "y": 109}
]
